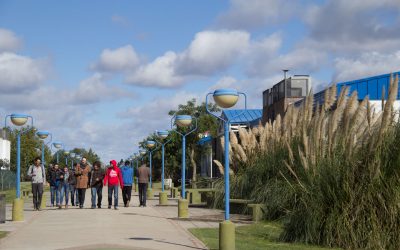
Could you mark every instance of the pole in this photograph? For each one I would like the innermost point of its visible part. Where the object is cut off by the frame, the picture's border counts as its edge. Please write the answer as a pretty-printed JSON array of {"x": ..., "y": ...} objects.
[
  {"x": 18, "y": 164},
  {"x": 66, "y": 160},
  {"x": 162, "y": 167},
  {"x": 43, "y": 152},
  {"x": 226, "y": 170},
  {"x": 183, "y": 166},
  {"x": 57, "y": 157},
  {"x": 151, "y": 184}
]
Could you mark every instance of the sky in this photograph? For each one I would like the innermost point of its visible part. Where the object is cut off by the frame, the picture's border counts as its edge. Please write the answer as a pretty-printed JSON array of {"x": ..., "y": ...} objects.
[{"x": 104, "y": 74}]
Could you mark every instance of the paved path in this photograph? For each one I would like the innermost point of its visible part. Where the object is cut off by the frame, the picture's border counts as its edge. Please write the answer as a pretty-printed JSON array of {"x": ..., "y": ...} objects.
[{"x": 153, "y": 227}]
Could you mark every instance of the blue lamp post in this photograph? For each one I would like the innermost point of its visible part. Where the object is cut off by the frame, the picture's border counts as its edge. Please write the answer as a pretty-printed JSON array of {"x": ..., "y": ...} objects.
[
  {"x": 73, "y": 155},
  {"x": 183, "y": 121},
  {"x": 58, "y": 145},
  {"x": 66, "y": 154},
  {"x": 142, "y": 153},
  {"x": 226, "y": 98},
  {"x": 18, "y": 204},
  {"x": 151, "y": 145},
  {"x": 162, "y": 135},
  {"x": 43, "y": 135}
]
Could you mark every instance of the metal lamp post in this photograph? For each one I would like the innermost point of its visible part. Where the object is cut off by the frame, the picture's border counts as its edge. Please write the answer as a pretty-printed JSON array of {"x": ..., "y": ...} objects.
[
  {"x": 66, "y": 153},
  {"x": 226, "y": 98},
  {"x": 183, "y": 121},
  {"x": 142, "y": 153},
  {"x": 58, "y": 145},
  {"x": 43, "y": 135},
  {"x": 162, "y": 135},
  {"x": 151, "y": 145},
  {"x": 73, "y": 155},
  {"x": 18, "y": 204}
]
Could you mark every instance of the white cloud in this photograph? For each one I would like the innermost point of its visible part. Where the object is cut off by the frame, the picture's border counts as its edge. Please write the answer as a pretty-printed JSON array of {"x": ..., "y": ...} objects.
[
  {"x": 21, "y": 73},
  {"x": 249, "y": 14},
  {"x": 117, "y": 60},
  {"x": 159, "y": 73},
  {"x": 9, "y": 41},
  {"x": 353, "y": 26},
  {"x": 95, "y": 90},
  {"x": 368, "y": 64},
  {"x": 212, "y": 51},
  {"x": 120, "y": 20}
]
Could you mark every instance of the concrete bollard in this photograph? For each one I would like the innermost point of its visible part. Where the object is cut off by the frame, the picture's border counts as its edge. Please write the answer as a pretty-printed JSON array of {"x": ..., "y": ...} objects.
[
  {"x": 43, "y": 204},
  {"x": 226, "y": 235},
  {"x": 150, "y": 194},
  {"x": 183, "y": 208},
  {"x": 163, "y": 198},
  {"x": 18, "y": 210}
]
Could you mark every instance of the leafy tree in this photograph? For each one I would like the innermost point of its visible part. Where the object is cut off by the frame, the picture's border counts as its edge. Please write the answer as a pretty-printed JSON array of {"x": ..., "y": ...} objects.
[{"x": 173, "y": 150}]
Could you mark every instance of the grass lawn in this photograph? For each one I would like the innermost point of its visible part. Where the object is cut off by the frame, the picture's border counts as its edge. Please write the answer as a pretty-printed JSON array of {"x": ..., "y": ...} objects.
[
  {"x": 3, "y": 234},
  {"x": 260, "y": 236}
]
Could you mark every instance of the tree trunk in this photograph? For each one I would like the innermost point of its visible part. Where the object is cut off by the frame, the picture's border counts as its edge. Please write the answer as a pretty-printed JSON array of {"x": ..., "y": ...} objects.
[{"x": 194, "y": 166}]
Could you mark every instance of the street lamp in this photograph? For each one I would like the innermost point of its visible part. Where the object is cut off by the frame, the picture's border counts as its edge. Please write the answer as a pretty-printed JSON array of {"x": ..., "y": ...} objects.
[
  {"x": 183, "y": 121},
  {"x": 18, "y": 204},
  {"x": 162, "y": 135},
  {"x": 151, "y": 145},
  {"x": 142, "y": 153},
  {"x": 43, "y": 135},
  {"x": 58, "y": 145},
  {"x": 73, "y": 155},
  {"x": 66, "y": 153},
  {"x": 226, "y": 98}
]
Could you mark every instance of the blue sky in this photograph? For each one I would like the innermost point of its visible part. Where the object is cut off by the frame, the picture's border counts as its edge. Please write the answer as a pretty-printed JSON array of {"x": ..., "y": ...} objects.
[{"x": 104, "y": 74}]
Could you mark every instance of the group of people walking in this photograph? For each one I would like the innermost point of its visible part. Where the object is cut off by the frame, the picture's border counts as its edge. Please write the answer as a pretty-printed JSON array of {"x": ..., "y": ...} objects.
[{"x": 74, "y": 182}]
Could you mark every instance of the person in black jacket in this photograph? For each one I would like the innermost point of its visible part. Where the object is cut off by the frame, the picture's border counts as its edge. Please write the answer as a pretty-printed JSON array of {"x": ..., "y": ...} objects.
[
  {"x": 96, "y": 177},
  {"x": 72, "y": 186},
  {"x": 54, "y": 178}
]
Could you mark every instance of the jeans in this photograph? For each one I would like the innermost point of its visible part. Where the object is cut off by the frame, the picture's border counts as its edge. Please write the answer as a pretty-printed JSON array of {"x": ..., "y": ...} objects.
[
  {"x": 81, "y": 196},
  {"x": 126, "y": 194},
  {"x": 54, "y": 192},
  {"x": 112, "y": 189},
  {"x": 97, "y": 190},
  {"x": 72, "y": 190},
  {"x": 64, "y": 190},
  {"x": 37, "y": 191},
  {"x": 142, "y": 193}
]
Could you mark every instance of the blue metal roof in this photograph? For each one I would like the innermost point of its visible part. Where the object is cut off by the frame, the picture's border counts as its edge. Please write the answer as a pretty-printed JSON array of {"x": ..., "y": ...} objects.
[
  {"x": 242, "y": 116},
  {"x": 372, "y": 87},
  {"x": 204, "y": 140}
]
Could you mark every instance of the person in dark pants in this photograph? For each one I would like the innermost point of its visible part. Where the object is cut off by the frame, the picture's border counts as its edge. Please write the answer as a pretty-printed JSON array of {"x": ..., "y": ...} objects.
[
  {"x": 96, "y": 177},
  {"x": 113, "y": 177},
  {"x": 37, "y": 174},
  {"x": 55, "y": 180},
  {"x": 127, "y": 176},
  {"x": 72, "y": 185},
  {"x": 82, "y": 180},
  {"x": 143, "y": 177}
]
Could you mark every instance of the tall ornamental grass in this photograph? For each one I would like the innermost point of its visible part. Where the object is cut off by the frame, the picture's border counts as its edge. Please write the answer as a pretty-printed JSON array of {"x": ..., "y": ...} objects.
[{"x": 330, "y": 172}]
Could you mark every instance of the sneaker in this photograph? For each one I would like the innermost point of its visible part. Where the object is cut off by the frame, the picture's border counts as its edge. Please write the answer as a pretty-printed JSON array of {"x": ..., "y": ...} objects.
[
  {"x": 109, "y": 207},
  {"x": 98, "y": 206},
  {"x": 39, "y": 209},
  {"x": 80, "y": 207},
  {"x": 116, "y": 208}
]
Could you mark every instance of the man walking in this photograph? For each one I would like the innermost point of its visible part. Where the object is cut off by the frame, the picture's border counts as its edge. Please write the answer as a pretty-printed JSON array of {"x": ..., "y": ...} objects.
[
  {"x": 54, "y": 180},
  {"x": 82, "y": 179},
  {"x": 143, "y": 176},
  {"x": 96, "y": 177},
  {"x": 114, "y": 178},
  {"x": 127, "y": 176},
  {"x": 37, "y": 173}
]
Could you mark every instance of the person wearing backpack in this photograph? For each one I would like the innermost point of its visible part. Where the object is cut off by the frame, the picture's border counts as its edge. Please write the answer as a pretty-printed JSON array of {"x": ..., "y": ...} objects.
[
  {"x": 37, "y": 174},
  {"x": 127, "y": 177}
]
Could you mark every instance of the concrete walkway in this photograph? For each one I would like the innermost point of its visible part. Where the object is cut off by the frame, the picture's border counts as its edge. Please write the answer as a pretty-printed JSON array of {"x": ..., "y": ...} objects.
[{"x": 152, "y": 227}]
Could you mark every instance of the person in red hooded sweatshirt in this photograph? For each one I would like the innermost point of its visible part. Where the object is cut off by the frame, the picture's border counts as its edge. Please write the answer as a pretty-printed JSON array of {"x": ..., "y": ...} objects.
[{"x": 114, "y": 178}]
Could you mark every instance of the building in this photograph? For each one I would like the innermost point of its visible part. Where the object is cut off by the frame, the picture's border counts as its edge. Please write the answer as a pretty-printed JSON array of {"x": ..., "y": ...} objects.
[
  {"x": 284, "y": 93},
  {"x": 5, "y": 149}
]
